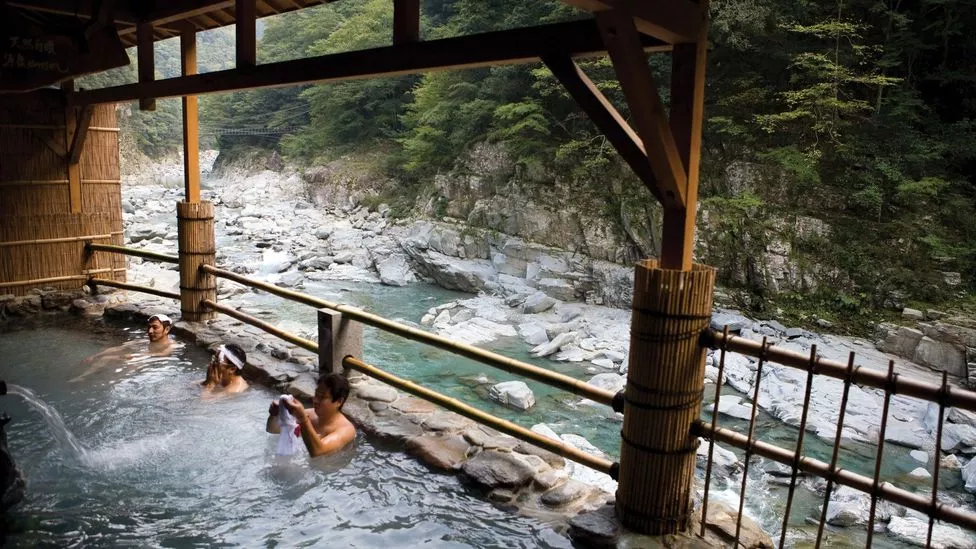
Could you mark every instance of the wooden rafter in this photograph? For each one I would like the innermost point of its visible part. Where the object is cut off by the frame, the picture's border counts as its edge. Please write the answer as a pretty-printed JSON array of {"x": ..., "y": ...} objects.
[
  {"x": 673, "y": 21},
  {"x": 630, "y": 63},
  {"x": 246, "y": 31},
  {"x": 576, "y": 39},
  {"x": 147, "y": 63},
  {"x": 406, "y": 21},
  {"x": 606, "y": 118},
  {"x": 176, "y": 10},
  {"x": 81, "y": 9}
]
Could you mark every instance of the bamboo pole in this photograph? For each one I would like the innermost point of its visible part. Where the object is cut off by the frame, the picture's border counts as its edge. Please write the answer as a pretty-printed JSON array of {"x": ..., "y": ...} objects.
[
  {"x": 952, "y": 396},
  {"x": 83, "y": 276},
  {"x": 665, "y": 381},
  {"x": 34, "y": 182},
  {"x": 505, "y": 426},
  {"x": 257, "y": 323},
  {"x": 146, "y": 254},
  {"x": 42, "y": 241},
  {"x": 495, "y": 360},
  {"x": 917, "y": 501},
  {"x": 196, "y": 245},
  {"x": 133, "y": 287}
]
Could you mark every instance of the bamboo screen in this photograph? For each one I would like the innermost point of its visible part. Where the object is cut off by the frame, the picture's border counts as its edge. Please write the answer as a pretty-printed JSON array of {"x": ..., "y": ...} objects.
[{"x": 41, "y": 241}]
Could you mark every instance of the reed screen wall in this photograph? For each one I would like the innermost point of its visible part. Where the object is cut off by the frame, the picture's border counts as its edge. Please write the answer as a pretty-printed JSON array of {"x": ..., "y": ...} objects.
[{"x": 41, "y": 241}]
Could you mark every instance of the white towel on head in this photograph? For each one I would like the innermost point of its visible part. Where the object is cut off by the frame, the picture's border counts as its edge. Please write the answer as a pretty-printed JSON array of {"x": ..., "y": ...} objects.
[{"x": 290, "y": 437}]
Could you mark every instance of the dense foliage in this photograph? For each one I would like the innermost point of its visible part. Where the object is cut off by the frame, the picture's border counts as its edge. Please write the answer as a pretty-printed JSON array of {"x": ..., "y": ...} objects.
[{"x": 858, "y": 112}]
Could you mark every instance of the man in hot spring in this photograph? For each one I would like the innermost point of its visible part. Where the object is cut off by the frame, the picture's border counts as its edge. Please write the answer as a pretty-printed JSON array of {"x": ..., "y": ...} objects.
[
  {"x": 323, "y": 427},
  {"x": 158, "y": 344}
]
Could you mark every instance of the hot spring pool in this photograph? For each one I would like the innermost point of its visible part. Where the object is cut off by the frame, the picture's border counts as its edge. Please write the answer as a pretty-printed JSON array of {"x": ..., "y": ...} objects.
[{"x": 158, "y": 466}]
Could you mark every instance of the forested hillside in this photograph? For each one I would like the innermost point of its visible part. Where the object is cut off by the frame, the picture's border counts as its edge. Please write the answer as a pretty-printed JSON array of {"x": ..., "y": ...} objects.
[{"x": 857, "y": 113}]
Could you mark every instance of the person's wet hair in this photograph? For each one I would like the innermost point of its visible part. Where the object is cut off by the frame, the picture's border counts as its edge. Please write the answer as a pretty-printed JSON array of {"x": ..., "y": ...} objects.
[{"x": 337, "y": 385}]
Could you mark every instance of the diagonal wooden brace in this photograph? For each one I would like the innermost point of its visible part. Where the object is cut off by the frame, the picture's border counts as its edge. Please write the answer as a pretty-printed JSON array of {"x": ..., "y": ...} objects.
[
  {"x": 606, "y": 118},
  {"x": 622, "y": 40}
]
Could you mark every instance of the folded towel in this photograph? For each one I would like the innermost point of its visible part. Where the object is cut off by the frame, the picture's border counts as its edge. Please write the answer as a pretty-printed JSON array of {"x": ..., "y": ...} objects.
[{"x": 290, "y": 438}]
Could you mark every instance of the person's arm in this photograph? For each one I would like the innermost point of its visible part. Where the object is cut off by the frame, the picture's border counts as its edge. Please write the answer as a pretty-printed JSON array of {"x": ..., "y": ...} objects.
[
  {"x": 315, "y": 444},
  {"x": 273, "y": 426},
  {"x": 213, "y": 377}
]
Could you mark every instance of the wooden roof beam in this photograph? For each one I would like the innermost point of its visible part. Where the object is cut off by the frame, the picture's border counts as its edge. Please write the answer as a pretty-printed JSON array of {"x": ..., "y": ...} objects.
[
  {"x": 623, "y": 43},
  {"x": 175, "y": 10},
  {"x": 406, "y": 21},
  {"x": 606, "y": 118},
  {"x": 575, "y": 39},
  {"x": 673, "y": 21},
  {"x": 146, "y": 62},
  {"x": 245, "y": 12},
  {"x": 84, "y": 9}
]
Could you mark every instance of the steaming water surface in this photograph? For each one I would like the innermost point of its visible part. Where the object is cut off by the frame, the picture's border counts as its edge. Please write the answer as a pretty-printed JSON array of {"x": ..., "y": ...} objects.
[{"x": 156, "y": 465}]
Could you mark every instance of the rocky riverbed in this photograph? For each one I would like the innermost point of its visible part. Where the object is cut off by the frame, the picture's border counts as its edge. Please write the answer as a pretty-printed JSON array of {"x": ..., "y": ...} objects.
[{"x": 566, "y": 307}]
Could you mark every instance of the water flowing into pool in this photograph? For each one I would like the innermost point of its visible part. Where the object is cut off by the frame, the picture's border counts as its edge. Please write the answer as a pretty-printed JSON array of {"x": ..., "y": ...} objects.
[{"x": 132, "y": 455}]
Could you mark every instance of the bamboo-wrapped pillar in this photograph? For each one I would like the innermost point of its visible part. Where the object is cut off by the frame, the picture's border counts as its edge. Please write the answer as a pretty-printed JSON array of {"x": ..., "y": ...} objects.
[
  {"x": 663, "y": 396},
  {"x": 195, "y": 225}
]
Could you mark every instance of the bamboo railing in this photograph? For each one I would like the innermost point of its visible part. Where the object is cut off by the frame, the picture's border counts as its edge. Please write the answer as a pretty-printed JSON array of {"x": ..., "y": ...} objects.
[
  {"x": 146, "y": 254},
  {"x": 505, "y": 426},
  {"x": 133, "y": 287},
  {"x": 501, "y": 362}
]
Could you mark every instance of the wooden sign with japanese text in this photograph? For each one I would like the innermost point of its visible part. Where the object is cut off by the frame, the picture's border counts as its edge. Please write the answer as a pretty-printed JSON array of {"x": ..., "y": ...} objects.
[{"x": 32, "y": 57}]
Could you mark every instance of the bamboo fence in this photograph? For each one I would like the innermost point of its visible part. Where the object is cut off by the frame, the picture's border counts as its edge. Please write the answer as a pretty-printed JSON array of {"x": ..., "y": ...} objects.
[{"x": 41, "y": 241}]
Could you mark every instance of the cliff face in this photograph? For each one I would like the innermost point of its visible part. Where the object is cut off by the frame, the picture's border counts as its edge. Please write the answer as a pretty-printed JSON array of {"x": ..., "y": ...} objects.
[{"x": 748, "y": 225}]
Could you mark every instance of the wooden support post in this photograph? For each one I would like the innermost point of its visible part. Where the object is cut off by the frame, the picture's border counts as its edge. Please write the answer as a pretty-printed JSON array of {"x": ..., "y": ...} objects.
[
  {"x": 665, "y": 381},
  {"x": 195, "y": 229},
  {"x": 73, "y": 167},
  {"x": 630, "y": 63},
  {"x": 406, "y": 21},
  {"x": 191, "y": 120},
  {"x": 339, "y": 337},
  {"x": 147, "y": 64},
  {"x": 687, "y": 106},
  {"x": 246, "y": 33}
]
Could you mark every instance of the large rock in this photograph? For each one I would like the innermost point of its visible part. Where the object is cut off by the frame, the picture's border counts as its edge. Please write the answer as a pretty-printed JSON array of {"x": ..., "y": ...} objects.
[
  {"x": 444, "y": 453},
  {"x": 395, "y": 270},
  {"x": 941, "y": 356},
  {"x": 515, "y": 394},
  {"x": 12, "y": 485},
  {"x": 537, "y": 303},
  {"x": 914, "y": 530},
  {"x": 609, "y": 381},
  {"x": 492, "y": 469},
  {"x": 901, "y": 342},
  {"x": 556, "y": 344},
  {"x": 557, "y": 288},
  {"x": 470, "y": 276},
  {"x": 950, "y": 333},
  {"x": 968, "y": 473}
]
